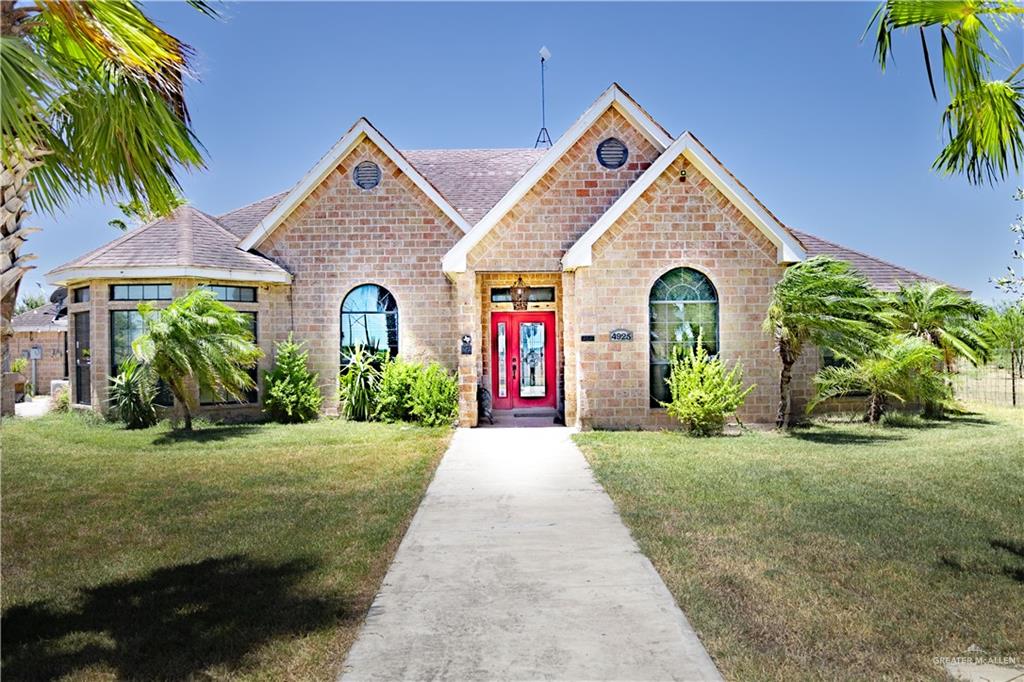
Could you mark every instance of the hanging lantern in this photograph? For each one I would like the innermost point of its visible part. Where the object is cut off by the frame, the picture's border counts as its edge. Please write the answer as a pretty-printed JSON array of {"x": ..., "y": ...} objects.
[{"x": 520, "y": 294}]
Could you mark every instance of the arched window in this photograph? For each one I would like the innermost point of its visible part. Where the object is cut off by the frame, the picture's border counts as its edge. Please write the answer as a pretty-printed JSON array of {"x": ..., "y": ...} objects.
[
  {"x": 369, "y": 318},
  {"x": 683, "y": 306}
]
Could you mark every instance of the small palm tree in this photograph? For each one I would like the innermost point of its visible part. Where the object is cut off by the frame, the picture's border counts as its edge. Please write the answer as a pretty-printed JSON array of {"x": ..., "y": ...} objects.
[
  {"x": 92, "y": 98},
  {"x": 899, "y": 368},
  {"x": 198, "y": 339},
  {"x": 824, "y": 302},
  {"x": 943, "y": 317}
]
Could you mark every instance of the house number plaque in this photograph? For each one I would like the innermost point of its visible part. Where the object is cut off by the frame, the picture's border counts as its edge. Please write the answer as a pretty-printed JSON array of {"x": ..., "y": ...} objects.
[
  {"x": 467, "y": 344},
  {"x": 620, "y": 335}
]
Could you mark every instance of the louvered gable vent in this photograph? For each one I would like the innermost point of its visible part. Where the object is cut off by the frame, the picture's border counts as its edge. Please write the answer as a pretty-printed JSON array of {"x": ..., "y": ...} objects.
[
  {"x": 612, "y": 153},
  {"x": 366, "y": 175}
]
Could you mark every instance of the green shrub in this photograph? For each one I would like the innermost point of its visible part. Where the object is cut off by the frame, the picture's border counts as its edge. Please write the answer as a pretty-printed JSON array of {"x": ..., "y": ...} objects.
[
  {"x": 703, "y": 392},
  {"x": 291, "y": 393},
  {"x": 435, "y": 396},
  {"x": 395, "y": 395},
  {"x": 132, "y": 393},
  {"x": 358, "y": 384},
  {"x": 19, "y": 365},
  {"x": 61, "y": 400}
]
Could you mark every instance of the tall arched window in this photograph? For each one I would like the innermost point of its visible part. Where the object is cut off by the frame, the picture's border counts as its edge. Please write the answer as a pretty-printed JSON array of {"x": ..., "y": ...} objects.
[
  {"x": 683, "y": 306},
  {"x": 369, "y": 318}
]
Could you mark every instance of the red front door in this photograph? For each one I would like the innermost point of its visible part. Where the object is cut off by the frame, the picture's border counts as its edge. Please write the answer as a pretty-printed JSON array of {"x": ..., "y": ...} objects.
[{"x": 523, "y": 360}]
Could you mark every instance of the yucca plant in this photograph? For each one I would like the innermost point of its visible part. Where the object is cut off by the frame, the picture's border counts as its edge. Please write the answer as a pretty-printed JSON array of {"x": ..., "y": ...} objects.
[
  {"x": 132, "y": 394},
  {"x": 197, "y": 339},
  {"x": 358, "y": 384},
  {"x": 901, "y": 368}
]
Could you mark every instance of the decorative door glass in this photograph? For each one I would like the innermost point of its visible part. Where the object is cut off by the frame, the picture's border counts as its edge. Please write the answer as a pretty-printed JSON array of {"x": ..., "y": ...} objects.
[
  {"x": 532, "y": 380},
  {"x": 502, "y": 371}
]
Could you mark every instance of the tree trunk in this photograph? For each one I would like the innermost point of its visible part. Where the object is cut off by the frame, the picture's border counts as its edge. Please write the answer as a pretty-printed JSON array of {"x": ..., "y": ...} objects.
[
  {"x": 188, "y": 419},
  {"x": 875, "y": 408},
  {"x": 15, "y": 166},
  {"x": 785, "y": 387}
]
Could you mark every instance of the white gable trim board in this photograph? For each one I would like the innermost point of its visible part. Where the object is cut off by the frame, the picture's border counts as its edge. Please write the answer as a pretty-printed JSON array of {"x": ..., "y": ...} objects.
[
  {"x": 64, "y": 277},
  {"x": 360, "y": 131},
  {"x": 788, "y": 249},
  {"x": 455, "y": 260}
]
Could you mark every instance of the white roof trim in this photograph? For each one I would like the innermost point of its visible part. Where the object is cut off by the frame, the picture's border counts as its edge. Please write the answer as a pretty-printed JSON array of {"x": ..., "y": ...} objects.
[
  {"x": 49, "y": 329},
  {"x": 788, "y": 249},
  {"x": 65, "y": 276},
  {"x": 455, "y": 260},
  {"x": 311, "y": 180}
]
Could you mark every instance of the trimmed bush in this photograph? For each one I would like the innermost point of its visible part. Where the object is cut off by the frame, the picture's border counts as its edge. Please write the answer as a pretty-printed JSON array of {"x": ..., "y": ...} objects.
[
  {"x": 358, "y": 384},
  {"x": 132, "y": 393},
  {"x": 395, "y": 396},
  {"x": 435, "y": 396},
  {"x": 291, "y": 392},
  {"x": 703, "y": 392},
  {"x": 19, "y": 365}
]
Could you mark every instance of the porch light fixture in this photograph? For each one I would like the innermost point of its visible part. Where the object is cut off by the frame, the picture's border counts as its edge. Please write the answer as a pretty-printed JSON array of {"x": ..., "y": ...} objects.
[{"x": 520, "y": 294}]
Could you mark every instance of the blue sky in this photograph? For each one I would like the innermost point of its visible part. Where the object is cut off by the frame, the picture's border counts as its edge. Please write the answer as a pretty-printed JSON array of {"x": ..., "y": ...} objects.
[{"x": 784, "y": 94}]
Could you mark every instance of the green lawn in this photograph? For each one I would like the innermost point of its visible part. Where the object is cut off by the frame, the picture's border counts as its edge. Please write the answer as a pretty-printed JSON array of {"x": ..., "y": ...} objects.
[
  {"x": 839, "y": 552},
  {"x": 243, "y": 551}
]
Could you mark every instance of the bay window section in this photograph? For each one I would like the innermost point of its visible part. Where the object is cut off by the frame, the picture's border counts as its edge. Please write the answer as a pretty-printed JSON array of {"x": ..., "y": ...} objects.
[{"x": 125, "y": 327}]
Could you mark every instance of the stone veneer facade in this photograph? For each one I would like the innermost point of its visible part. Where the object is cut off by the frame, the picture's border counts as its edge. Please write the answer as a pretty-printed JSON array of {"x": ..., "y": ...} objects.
[{"x": 341, "y": 236}]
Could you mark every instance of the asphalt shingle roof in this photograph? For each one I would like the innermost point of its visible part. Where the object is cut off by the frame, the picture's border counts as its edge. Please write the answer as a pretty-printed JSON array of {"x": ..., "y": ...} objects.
[
  {"x": 185, "y": 238},
  {"x": 882, "y": 274},
  {"x": 472, "y": 180},
  {"x": 43, "y": 317}
]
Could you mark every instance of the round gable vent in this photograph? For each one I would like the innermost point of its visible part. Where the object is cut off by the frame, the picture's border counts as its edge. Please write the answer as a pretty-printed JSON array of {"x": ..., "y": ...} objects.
[
  {"x": 366, "y": 175},
  {"x": 612, "y": 153}
]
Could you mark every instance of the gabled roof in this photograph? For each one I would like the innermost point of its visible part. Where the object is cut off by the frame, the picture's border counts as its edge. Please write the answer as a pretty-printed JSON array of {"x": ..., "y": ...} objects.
[
  {"x": 360, "y": 131},
  {"x": 614, "y": 96},
  {"x": 788, "y": 249},
  {"x": 186, "y": 243},
  {"x": 882, "y": 274},
  {"x": 45, "y": 318}
]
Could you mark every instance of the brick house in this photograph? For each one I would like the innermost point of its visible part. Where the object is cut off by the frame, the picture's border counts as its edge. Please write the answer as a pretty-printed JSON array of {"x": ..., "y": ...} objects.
[
  {"x": 556, "y": 278},
  {"x": 40, "y": 336}
]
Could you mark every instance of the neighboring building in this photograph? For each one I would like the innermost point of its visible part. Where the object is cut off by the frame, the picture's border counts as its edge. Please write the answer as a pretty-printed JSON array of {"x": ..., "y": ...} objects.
[
  {"x": 42, "y": 333},
  {"x": 629, "y": 240}
]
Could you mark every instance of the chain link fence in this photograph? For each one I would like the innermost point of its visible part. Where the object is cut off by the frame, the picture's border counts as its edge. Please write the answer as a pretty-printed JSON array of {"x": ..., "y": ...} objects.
[{"x": 1000, "y": 382}]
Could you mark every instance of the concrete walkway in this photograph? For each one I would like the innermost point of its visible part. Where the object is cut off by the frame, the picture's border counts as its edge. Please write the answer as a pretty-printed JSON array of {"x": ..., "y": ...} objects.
[{"x": 516, "y": 567}]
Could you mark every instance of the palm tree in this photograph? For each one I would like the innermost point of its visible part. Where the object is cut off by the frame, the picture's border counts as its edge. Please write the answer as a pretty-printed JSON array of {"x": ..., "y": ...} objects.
[
  {"x": 91, "y": 99},
  {"x": 984, "y": 119},
  {"x": 824, "y": 302},
  {"x": 900, "y": 367},
  {"x": 197, "y": 339},
  {"x": 943, "y": 317}
]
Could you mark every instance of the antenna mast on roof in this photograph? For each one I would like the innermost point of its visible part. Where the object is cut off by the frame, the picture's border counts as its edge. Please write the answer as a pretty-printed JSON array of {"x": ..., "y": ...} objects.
[{"x": 543, "y": 138}]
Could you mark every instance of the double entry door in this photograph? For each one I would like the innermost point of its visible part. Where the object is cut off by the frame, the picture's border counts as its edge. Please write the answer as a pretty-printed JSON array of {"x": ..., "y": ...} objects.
[{"x": 523, "y": 360}]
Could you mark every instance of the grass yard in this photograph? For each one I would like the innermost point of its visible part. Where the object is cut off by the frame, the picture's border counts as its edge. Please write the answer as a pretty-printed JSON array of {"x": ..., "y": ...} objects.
[
  {"x": 243, "y": 551},
  {"x": 839, "y": 552}
]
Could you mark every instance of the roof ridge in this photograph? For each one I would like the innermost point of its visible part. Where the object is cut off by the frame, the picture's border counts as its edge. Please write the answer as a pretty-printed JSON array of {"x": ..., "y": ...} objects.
[
  {"x": 186, "y": 244},
  {"x": 868, "y": 255},
  {"x": 234, "y": 238},
  {"x": 250, "y": 204}
]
